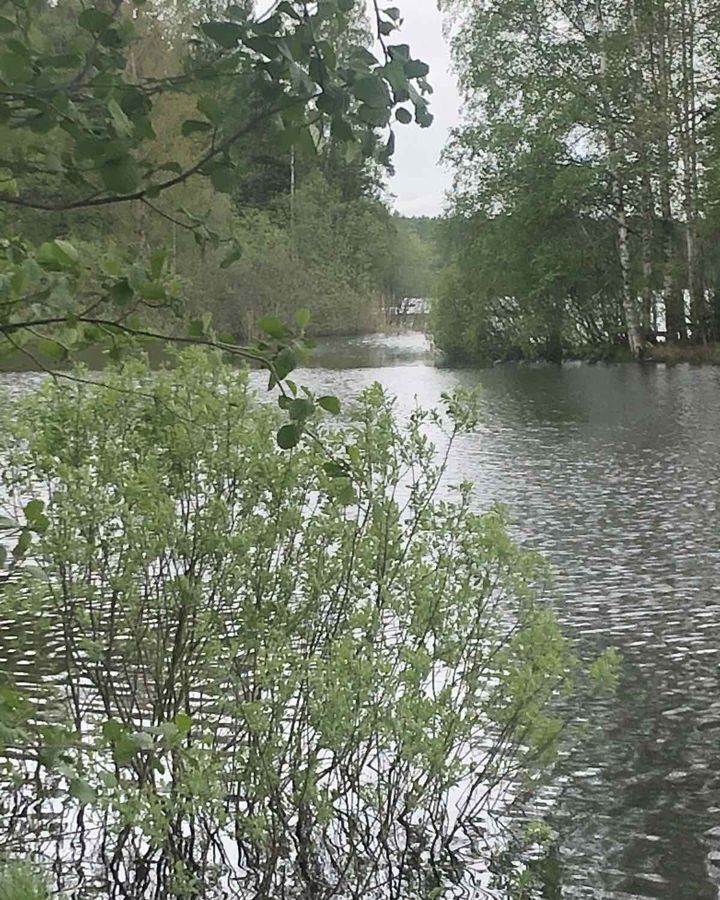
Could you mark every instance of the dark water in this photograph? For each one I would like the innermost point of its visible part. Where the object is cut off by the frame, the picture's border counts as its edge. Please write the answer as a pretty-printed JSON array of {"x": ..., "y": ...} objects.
[{"x": 613, "y": 472}]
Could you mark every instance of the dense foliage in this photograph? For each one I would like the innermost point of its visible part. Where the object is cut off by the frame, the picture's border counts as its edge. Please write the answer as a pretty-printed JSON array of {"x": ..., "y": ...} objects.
[
  {"x": 285, "y": 676},
  {"x": 586, "y": 176},
  {"x": 156, "y": 154}
]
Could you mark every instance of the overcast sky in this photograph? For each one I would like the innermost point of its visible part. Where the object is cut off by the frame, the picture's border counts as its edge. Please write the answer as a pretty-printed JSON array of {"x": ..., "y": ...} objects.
[{"x": 420, "y": 183}]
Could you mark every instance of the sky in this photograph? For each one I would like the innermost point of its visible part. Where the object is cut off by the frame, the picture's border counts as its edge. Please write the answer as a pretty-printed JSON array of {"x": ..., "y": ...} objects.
[{"x": 420, "y": 183}]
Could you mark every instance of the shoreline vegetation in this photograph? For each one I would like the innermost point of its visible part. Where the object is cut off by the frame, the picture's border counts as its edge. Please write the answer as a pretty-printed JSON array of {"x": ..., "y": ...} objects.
[{"x": 586, "y": 179}]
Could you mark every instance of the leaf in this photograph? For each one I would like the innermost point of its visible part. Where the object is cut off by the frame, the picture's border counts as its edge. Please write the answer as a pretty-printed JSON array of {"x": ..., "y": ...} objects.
[
  {"x": 194, "y": 126},
  {"x": 34, "y": 509},
  {"x": 415, "y": 68},
  {"x": 157, "y": 264},
  {"x": 82, "y": 791},
  {"x": 123, "y": 125},
  {"x": 226, "y": 34},
  {"x": 343, "y": 491},
  {"x": 371, "y": 89},
  {"x": 121, "y": 293},
  {"x": 57, "y": 255},
  {"x": 6, "y": 25},
  {"x": 342, "y": 130},
  {"x": 404, "y": 116},
  {"x": 196, "y": 328},
  {"x": 273, "y": 326},
  {"x": 329, "y": 404},
  {"x": 287, "y": 8},
  {"x": 94, "y": 20},
  {"x": 400, "y": 51},
  {"x": 183, "y": 723},
  {"x": 23, "y": 544},
  {"x": 15, "y": 67},
  {"x": 8, "y": 524},
  {"x": 289, "y": 436},
  {"x": 224, "y": 179},
  {"x": 211, "y": 109},
  {"x": 67, "y": 250},
  {"x": 301, "y": 409},
  {"x": 302, "y": 318},
  {"x": 121, "y": 176},
  {"x": 336, "y": 469},
  {"x": 284, "y": 363},
  {"x": 3, "y": 555},
  {"x": 423, "y": 117}
]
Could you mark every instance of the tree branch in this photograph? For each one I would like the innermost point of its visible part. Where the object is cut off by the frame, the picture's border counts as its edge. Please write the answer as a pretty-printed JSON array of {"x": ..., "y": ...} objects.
[{"x": 141, "y": 194}]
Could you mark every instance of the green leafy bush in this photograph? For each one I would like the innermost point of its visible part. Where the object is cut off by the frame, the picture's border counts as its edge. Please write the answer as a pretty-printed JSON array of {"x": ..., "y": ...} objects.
[
  {"x": 291, "y": 673},
  {"x": 18, "y": 881}
]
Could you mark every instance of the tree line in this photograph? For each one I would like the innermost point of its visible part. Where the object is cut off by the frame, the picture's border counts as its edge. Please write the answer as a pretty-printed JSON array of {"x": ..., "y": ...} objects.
[{"x": 586, "y": 178}]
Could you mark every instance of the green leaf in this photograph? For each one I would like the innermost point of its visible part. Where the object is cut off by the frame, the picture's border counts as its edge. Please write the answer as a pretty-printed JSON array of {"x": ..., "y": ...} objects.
[
  {"x": 123, "y": 125},
  {"x": 289, "y": 436},
  {"x": 273, "y": 326},
  {"x": 284, "y": 363},
  {"x": 342, "y": 130},
  {"x": 423, "y": 117},
  {"x": 343, "y": 491},
  {"x": 23, "y": 543},
  {"x": 287, "y": 8},
  {"x": 336, "y": 469},
  {"x": 224, "y": 179},
  {"x": 121, "y": 293},
  {"x": 400, "y": 51},
  {"x": 194, "y": 126},
  {"x": 302, "y": 318},
  {"x": 415, "y": 68},
  {"x": 403, "y": 116},
  {"x": 197, "y": 329},
  {"x": 211, "y": 109},
  {"x": 94, "y": 20},
  {"x": 67, "y": 251},
  {"x": 15, "y": 67},
  {"x": 371, "y": 89},
  {"x": 121, "y": 176},
  {"x": 82, "y": 791},
  {"x": 57, "y": 255},
  {"x": 226, "y": 34},
  {"x": 3, "y": 555},
  {"x": 34, "y": 509},
  {"x": 6, "y": 25},
  {"x": 329, "y": 404},
  {"x": 301, "y": 409},
  {"x": 183, "y": 723},
  {"x": 8, "y": 524}
]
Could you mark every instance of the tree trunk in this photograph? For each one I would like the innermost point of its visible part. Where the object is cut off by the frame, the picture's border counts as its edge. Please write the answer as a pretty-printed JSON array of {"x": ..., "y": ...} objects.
[
  {"x": 675, "y": 322},
  {"x": 635, "y": 337},
  {"x": 695, "y": 284}
]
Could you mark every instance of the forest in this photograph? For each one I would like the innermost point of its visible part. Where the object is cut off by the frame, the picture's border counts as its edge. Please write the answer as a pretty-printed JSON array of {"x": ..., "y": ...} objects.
[
  {"x": 583, "y": 219},
  {"x": 305, "y": 224}
]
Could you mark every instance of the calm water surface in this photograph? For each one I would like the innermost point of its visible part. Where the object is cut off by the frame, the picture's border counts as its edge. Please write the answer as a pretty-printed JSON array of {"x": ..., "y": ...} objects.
[{"x": 613, "y": 472}]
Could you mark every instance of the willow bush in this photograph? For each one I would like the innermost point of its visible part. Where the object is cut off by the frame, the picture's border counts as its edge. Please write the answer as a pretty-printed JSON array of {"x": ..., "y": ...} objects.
[{"x": 304, "y": 674}]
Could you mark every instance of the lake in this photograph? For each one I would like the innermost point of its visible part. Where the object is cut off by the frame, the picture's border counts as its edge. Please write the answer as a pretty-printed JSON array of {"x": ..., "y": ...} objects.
[{"x": 613, "y": 473}]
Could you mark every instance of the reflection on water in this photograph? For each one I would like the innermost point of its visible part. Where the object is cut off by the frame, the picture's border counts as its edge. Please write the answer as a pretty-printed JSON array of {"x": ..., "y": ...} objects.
[{"x": 613, "y": 472}]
